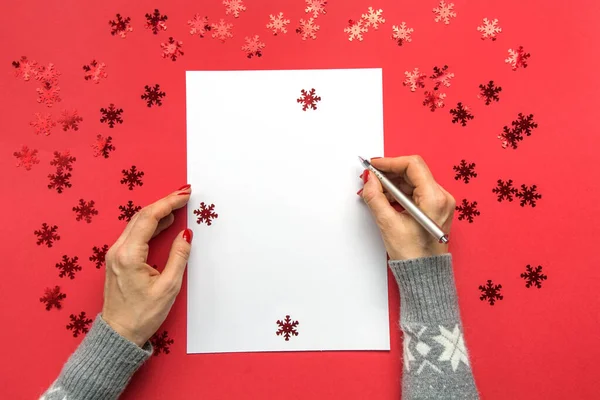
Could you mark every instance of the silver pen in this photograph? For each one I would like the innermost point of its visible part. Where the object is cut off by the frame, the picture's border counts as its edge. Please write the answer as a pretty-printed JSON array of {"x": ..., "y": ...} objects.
[{"x": 407, "y": 203}]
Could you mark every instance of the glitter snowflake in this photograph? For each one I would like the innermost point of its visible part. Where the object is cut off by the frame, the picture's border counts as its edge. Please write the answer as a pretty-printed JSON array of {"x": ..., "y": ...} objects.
[
  {"x": 489, "y": 92},
  {"x": 373, "y": 18},
  {"x": 128, "y": 211},
  {"x": 465, "y": 171},
  {"x": 102, "y": 146},
  {"x": 43, "y": 124},
  {"x": 316, "y": 7},
  {"x": 441, "y": 77},
  {"x": 48, "y": 94},
  {"x": 517, "y": 58},
  {"x": 308, "y": 99},
  {"x": 153, "y": 95},
  {"x": 414, "y": 79},
  {"x": 434, "y": 99},
  {"x": 510, "y": 137},
  {"x": 47, "y": 235},
  {"x": 467, "y": 210},
  {"x": 444, "y": 12},
  {"x": 132, "y": 177},
  {"x": 205, "y": 214},
  {"x": 490, "y": 292},
  {"x": 25, "y": 68},
  {"x": 26, "y": 158},
  {"x": 53, "y": 297},
  {"x": 287, "y": 328},
  {"x": 461, "y": 114},
  {"x": 48, "y": 75},
  {"x": 278, "y": 23},
  {"x": 111, "y": 115},
  {"x": 222, "y": 31},
  {"x": 95, "y": 71},
  {"x": 161, "y": 342},
  {"x": 234, "y": 7},
  {"x": 199, "y": 25},
  {"x": 59, "y": 180},
  {"x": 253, "y": 47},
  {"x": 307, "y": 29},
  {"x": 401, "y": 33},
  {"x": 355, "y": 29},
  {"x": 63, "y": 160},
  {"x": 528, "y": 195},
  {"x": 79, "y": 324},
  {"x": 70, "y": 120},
  {"x": 524, "y": 124},
  {"x": 99, "y": 255},
  {"x": 156, "y": 21},
  {"x": 172, "y": 49},
  {"x": 533, "y": 277},
  {"x": 489, "y": 29},
  {"x": 505, "y": 190},
  {"x": 68, "y": 267},
  {"x": 85, "y": 210},
  {"x": 120, "y": 26}
]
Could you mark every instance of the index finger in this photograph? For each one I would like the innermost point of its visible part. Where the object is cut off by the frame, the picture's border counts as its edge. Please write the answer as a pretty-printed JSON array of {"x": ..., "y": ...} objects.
[{"x": 412, "y": 168}]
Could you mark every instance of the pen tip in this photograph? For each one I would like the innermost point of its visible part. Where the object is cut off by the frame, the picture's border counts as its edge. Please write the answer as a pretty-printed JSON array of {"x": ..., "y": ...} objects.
[{"x": 361, "y": 159}]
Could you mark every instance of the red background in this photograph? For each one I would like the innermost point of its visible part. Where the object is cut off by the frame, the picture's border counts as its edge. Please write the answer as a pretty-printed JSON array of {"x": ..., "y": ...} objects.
[{"x": 534, "y": 344}]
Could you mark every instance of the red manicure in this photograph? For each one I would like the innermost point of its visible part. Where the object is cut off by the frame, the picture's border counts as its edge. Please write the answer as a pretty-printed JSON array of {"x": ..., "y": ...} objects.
[
  {"x": 188, "y": 235},
  {"x": 359, "y": 192},
  {"x": 185, "y": 187},
  {"x": 365, "y": 176}
]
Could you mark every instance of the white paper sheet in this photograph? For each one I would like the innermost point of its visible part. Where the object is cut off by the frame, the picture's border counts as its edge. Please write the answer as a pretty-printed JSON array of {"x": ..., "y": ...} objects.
[{"x": 291, "y": 237}]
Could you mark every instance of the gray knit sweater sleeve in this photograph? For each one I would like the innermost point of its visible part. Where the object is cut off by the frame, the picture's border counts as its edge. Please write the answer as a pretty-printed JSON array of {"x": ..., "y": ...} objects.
[
  {"x": 436, "y": 363},
  {"x": 100, "y": 368}
]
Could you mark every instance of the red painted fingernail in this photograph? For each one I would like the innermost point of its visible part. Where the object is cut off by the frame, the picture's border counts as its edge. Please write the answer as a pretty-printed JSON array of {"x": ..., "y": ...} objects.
[
  {"x": 359, "y": 192},
  {"x": 185, "y": 187},
  {"x": 188, "y": 235},
  {"x": 365, "y": 176}
]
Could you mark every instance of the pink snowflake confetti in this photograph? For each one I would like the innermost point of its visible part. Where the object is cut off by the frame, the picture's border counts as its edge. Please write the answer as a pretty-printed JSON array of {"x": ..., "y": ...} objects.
[
  {"x": 70, "y": 120},
  {"x": 505, "y": 190},
  {"x": 48, "y": 94},
  {"x": 132, "y": 177},
  {"x": 253, "y": 47},
  {"x": 490, "y": 292},
  {"x": 53, "y": 297},
  {"x": 307, "y": 29},
  {"x": 373, "y": 18},
  {"x": 222, "y": 31},
  {"x": 102, "y": 146},
  {"x": 153, "y": 95},
  {"x": 26, "y": 158},
  {"x": 172, "y": 49},
  {"x": 59, "y": 180},
  {"x": 308, "y": 99},
  {"x": 156, "y": 21},
  {"x": 444, "y": 12},
  {"x": 79, "y": 324},
  {"x": 401, "y": 33},
  {"x": 95, "y": 71},
  {"x": 287, "y": 328},
  {"x": 434, "y": 99},
  {"x": 205, "y": 214},
  {"x": 234, "y": 7},
  {"x": 47, "y": 235},
  {"x": 43, "y": 124},
  {"x": 461, "y": 114},
  {"x": 414, "y": 79},
  {"x": 465, "y": 171},
  {"x": 99, "y": 256},
  {"x": 278, "y": 23},
  {"x": 441, "y": 77},
  {"x": 111, "y": 115},
  {"x": 120, "y": 26},
  {"x": 161, "y": 343},
  {"x": 85, "y": 210},
  {"x": 68, "y": 267},
  {"x": 25, "y": 69},
  {"x": 533, "y": 277},
  {"x": 528, "y": 196},
  {"x": 467, "y": 210},
  {"x": 48, "y": 75},
  {"x": 489, "y": 29},
  {"x": 199, "y": 25},
  {"x": 489, "y": 92},
  {"x": 355, "y": 29},
  {"x": 128, "y": 211},
  {"x": 316, "y": 7},
  {"x": 63, "y": 160},
  {"x": 517, "y": 58}
]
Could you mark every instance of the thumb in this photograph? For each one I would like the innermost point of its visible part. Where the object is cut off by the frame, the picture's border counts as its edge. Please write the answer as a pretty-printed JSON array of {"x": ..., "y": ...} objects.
[
  {"x": 379, "y": 205},
  {"x": 172, "y": 275}
]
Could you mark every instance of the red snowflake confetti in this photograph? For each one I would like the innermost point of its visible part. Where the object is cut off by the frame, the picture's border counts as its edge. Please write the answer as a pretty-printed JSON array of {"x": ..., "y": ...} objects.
[
  {"x": 278, "y": 23},
  {"x": 156, "y": 22},
  {"x": 205, "y": 214},
  {"x": 316, "y": 7},
  {"x": 26, "y": 157},
  {"x": 59, "y": 180},
  {"x": 95, "y": 71},
  {"x": 161, "y": 343},
  {"x": 48, "y": 75},
  {"x": 25, "y": 69},
  {"x": 102, "y": 146},
  {"x": 120, "y": 26},
  {"x": 489, "y": 29},
  {"x": 465, "y": 171},
  {"x": 308, "y": 99},
  {"x": 79, "y": 324},
  {"x": 373, "y": 18},
  {"x": 172, "y": 49},
  {"x": 70, "y": 120},
  {"x": 111, "y": 115},
  {"x": 517, "y": 58},
  {"x": 510, "y": 137},
  {"x": 68, "y": 267},
  {"x": 461, "y": 114},
  {"x": 489, "y": 92},
  {"x": 43, "y": 124},
  {"x": 63, "y": 160},
  {"x": 128, "y": 211},
  {"x": 528, "y": 195},
  {"x": 414, "y": 79},
  {"x": 153, "y": 95},
  {"x": 307, "y": 29},
  {"x": 355, "y": 29},
  {"x": 441, "y": 77},
  {"x": 53, "y": 297},
  {"x": 48, "y": 94},
  {"x": 85, "y": 210},
  {"x": 401, "y": 34},
  {"x": 47, "y": 235},
  {"x": 490, "y": 292},
  {"x": 253, "y": 47},
  {"x": 132, "y": 177},
  {"x": 524, "y": 124},
  {"x": 234, "y": 7},
  {"x": 199, "y": 25},
  {"x": 467, "y": 210},
  {"x": 533, "y": 277},
  {"x": 444, "y": 12},
  {"x": 434, "y": 99},
  {"x": 222, "y": 31},
  {"x": 287, "y": 328},
  {"x": 99, "y": 255},
  {"x": 505, "y": 190}
]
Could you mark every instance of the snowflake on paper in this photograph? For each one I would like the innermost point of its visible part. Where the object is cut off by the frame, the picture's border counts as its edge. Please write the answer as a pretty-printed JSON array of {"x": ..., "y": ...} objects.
[
  {"x": 153, "y": 95},
  {"x": 505, "y": 190},
  {"x": 253, "y": 47},
  {"x": 156, "y": 21},
  {"x": 99, "y": 255},
  {"x": 222, "y": 31},
  {"x": 524, "y": 124},
  {"x": 490, "y": 292},
  {"x": 63, "y": 160},
  {"x": 85, "y": 210},
  {"x": 461, "y": 114},
  {"x": 47, "y": 235},
  {"x": 48, "y": 75},
  {"x": 43, "y": 124},
  {"x": 132, "y": 177},
  {"x": 172, "y": 49},
  {"x": 111, "y": 115},
  {"x": 287, "y": 328},
  {"x": 59, "y": 180},
  {"x": 510, "y": 137},
  {"x": 441, "y": 77},
  {"x": 102, "y": 146},
  {"x": 467, "y": 210},
  {"x": 26, "y": 157},
  {"x": 95, "y": 71},
  {"x": 316, "y": 7},
  {"x": 489, "y": 29},
  {"x": 70, "y": 120},
  {"x": 307, "y": 29},
  {"x": 205, "y": 214},
  {"x": 53, "y": 297},
  {"x": 528, "y": 195},
  {"x": 278, "y": 23},
  {"x": 355, "y": 29},
  {"x": 308, "y": 99},
  {"x": 517, "y": 58},
  {"x": 414, "y": 79},
  {"x": 434, "y": 99},
  {"x": 48, "y": 94},
  {"x": 68, "y": 267},
  {"x": 444, "y": 12},
  {"x": 25, "y": 69},
  {"x": 373, "y": 18},
  {"x": 533, "y": 277},
  {"x": 79, "y": 324},
  {"x": 120, "y": 26},
  {"x": 234, "y": 7},
  {"x": 199, "y": 25},
  {"x": 489, "y": 92},
  {"x": 465, "y": 171},
  {"x": 401, "y": 33},
  {"x": 128, "y": 211},
  {"x": 161, "y": 342}
]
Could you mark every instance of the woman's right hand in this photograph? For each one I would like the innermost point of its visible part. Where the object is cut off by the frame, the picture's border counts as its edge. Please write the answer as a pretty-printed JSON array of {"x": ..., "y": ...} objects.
[{"x": 403, "y": 236}]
